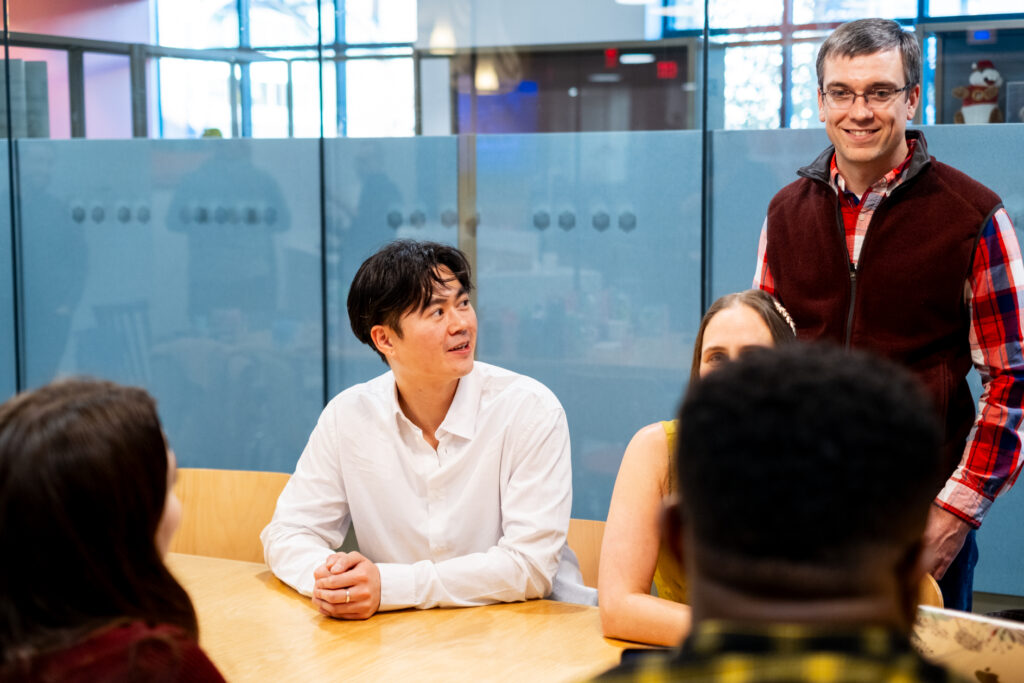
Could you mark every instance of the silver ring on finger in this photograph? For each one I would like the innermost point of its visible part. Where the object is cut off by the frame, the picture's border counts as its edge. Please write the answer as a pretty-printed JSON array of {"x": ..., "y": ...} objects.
[{"x": 348, "y": 597}]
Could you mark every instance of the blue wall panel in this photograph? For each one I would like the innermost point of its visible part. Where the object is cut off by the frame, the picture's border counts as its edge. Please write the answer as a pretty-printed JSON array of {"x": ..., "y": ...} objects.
[
  {"x": 8, "y": 384},
  {"x": 589, "y": 273},
  {"x": 379, "y": 190},
  {"x": 187, "y": 267},
  {"x": 991, "y": 155},
  {"x": 749, "y": 167}
]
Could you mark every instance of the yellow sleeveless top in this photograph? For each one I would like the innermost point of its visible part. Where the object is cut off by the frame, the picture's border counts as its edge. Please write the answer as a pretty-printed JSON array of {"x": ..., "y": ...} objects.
[{"x": 668, "y": 574}]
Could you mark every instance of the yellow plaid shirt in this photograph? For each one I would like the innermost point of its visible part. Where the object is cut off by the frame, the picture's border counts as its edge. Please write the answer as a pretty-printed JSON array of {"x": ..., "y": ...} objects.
[{"x": 745, "y": 653}]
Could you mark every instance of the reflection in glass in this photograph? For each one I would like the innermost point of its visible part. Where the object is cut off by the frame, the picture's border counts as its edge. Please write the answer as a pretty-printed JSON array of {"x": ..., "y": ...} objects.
[
  {"x": 945, "y": 8},
  {"x": 374, "y": 111},
  {"x": 588, "y": 257},
  {"x": 197, "y": 23},
  {"x": 377, "y": 191},
  {"x": 269, "y": 83},
  {"x": 7, "y": 360},
  {"x": 288, "y": 22},
  {"x": 306, "y": 98},
  {"x": 56, "y": 68},
  {"x": 130, "y": 21},
  {"x": 689, "y": 14},
  {"x": 753, "y": 78},
  {"x": 804, "y": 89},
  {"x": 738, "y": 14},
  {"x": 190, "y": 268},
  {"x": 372, "y": 21},
  {"x": 108, "y": 105},
  {"x": 819, "y": 11},
  {"x": 195, "y": 97}
]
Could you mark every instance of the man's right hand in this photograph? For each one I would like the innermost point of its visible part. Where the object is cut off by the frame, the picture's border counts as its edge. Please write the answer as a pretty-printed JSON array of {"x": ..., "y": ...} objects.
[{"x": 347, "y": 587}]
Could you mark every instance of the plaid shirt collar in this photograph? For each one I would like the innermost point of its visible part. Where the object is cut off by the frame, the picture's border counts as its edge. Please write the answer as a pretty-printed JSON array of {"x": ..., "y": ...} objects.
[
  {"x": 715, "y": 637},
  {"x": 883, "y": 186}
]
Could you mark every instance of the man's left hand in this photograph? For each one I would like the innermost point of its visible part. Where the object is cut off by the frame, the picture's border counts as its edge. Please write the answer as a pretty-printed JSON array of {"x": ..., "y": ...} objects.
[
  {"x": 944, "y": 536},
  {"x": 347, "y": 587}
]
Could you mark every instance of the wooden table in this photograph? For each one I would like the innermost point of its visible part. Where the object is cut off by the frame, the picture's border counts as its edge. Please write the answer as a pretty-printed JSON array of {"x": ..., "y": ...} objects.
[{"x": 255, "y": 628}]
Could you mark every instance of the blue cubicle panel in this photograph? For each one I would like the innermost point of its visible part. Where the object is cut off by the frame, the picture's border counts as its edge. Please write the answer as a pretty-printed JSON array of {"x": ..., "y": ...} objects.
[
  {"x": 750, "y": 166},
  {"x": 378, "y": 190},
  {"x": 190, "y": 268},
  {"x": 8, "y": 384},
  {"x": 991, "y": 155},
  {"x": 588, "y": 254}
]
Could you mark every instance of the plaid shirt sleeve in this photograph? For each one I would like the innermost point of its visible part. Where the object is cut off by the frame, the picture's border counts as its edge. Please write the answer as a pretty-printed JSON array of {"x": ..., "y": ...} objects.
[
  {"x": 995, "y": 295},
  {"x": 763, "y": 276}
]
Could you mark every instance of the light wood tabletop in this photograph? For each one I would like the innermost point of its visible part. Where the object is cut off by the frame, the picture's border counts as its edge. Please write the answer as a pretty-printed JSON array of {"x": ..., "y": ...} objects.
[{"x": 255, "y": 628}]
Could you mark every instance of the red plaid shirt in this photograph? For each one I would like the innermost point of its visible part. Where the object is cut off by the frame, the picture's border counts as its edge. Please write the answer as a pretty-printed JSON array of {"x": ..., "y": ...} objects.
[{"x": 994, "y": 294}]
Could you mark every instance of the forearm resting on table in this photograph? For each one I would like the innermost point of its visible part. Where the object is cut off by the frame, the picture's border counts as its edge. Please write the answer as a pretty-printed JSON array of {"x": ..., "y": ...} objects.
[
  {"x": 644, "y": 618},
  {"x": 498, "y": 575},
  {"x": 294, "y": 557}
]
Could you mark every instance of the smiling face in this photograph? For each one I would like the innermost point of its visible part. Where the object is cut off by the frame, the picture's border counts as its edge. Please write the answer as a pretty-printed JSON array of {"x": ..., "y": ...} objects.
[
  {"x": 732, "y": 331},
  {"x": 435, "y": 344},
  {"x": 869, "y": 142}
]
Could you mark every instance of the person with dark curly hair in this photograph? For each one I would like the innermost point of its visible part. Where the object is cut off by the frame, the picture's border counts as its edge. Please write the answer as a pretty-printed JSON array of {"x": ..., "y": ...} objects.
[{"x": 774, "y": 450}]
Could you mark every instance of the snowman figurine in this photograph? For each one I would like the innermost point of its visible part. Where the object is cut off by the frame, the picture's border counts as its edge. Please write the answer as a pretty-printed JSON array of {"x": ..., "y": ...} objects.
[{"x": 980, "y": 99}]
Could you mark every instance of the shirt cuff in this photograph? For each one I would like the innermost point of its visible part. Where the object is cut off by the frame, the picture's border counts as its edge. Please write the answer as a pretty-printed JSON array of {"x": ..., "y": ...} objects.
[
  {"x": 397, "y": 586},
  {"x": 964, "y": 502}
]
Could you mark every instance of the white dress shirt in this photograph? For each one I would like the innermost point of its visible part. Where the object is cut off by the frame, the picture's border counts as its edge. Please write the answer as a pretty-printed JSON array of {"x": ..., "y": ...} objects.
[{"x": 482, "y": 519}]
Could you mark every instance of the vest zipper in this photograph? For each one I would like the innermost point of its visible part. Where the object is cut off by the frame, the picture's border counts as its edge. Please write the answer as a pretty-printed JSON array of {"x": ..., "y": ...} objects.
[
  {"x": 853, "y": 300},
  {"x": 853, "y": 272}
]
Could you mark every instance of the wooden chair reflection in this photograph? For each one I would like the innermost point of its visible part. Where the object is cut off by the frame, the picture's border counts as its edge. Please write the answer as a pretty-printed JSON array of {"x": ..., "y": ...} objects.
[{"x": 224, "y": 511}]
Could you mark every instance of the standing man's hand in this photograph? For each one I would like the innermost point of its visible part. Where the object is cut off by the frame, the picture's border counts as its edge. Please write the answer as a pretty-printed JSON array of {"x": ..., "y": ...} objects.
[
  {"x": 944, "y": 536},
  {"x": 347, "y": 587}
]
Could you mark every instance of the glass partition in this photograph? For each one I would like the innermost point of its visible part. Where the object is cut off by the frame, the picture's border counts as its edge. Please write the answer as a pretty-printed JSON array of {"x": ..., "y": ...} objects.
[
  {"x": 377, "y": 191},
  {"x": 190, "y": 268},
  {"x": 750, "y": 167},
  {"x": 8, "y": 373},
  {"x": 589, "y": 273}
]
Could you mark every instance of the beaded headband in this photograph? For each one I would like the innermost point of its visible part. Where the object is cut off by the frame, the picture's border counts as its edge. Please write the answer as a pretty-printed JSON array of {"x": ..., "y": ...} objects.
[{"x": 785, "y": 314}]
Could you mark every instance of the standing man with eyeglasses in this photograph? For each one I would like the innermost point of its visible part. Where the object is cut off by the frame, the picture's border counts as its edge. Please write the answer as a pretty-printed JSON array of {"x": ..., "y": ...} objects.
[{"x": 881, "y": 247}]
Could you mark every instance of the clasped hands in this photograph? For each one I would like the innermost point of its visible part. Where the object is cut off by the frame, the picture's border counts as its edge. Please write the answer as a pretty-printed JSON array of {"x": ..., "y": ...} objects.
[{"x": 347, "y": 587}]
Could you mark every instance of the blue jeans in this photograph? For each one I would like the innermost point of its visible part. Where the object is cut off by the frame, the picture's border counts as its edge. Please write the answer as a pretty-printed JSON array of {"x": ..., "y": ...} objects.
[{"x": 957, "y": 583}]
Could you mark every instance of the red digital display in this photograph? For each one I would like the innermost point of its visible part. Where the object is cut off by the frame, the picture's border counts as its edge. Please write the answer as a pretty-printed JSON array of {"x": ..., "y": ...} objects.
[
  {"x": 667, "y": 69},
  {"x": 611, "y": 58}
]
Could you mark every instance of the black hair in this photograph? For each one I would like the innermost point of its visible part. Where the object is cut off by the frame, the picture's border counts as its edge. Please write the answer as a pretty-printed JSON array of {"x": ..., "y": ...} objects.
[
  {"x": 806, "y": 456},
  {"x": 868, "y": 36},
  {"x": 399, "y": 278},
  {"x": 83, "y": 484}
]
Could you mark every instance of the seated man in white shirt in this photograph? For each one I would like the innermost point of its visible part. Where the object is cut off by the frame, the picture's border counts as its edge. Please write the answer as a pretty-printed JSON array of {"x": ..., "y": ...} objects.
[{"x": 455, "y": 473}]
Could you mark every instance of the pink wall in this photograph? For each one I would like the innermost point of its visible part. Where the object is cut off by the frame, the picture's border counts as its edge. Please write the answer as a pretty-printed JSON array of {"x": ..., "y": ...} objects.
[{"x": 108, "y": 111}]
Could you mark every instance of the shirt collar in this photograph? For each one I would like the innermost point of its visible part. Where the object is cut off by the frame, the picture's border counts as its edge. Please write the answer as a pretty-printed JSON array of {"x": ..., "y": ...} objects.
[
  {"x": 883, "y": 185},
  {"x": 712, "y": 637},
  {"x": 461, "y": 417}
]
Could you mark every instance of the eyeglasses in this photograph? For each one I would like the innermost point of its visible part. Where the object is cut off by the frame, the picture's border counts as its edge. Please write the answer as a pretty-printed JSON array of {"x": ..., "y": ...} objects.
[{"x": 842, "y": 98}]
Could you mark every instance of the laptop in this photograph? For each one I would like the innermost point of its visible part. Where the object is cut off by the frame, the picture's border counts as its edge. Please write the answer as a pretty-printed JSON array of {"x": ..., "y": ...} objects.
[{"x": 979, "y": 648}]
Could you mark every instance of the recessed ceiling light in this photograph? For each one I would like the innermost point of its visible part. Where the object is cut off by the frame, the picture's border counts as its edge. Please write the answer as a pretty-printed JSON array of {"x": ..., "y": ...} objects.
[{"x": 636, "y": 58}]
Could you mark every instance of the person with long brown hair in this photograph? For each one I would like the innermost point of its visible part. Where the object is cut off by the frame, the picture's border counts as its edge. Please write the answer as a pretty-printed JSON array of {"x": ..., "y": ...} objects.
[
  {"x": 632, "y": 554},
  {"x": 87, "y": 510}
]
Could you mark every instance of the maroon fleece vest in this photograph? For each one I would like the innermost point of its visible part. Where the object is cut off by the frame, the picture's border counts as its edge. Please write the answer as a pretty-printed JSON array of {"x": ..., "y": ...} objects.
[{"x": 905, "y": 299}]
